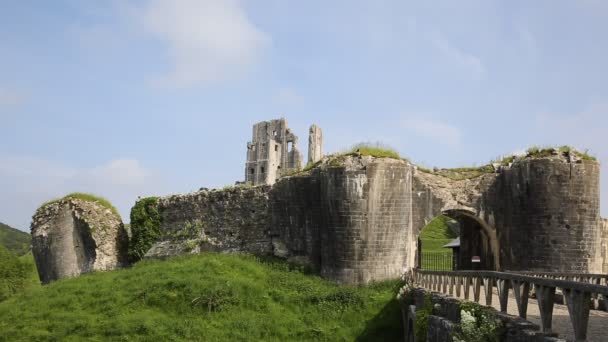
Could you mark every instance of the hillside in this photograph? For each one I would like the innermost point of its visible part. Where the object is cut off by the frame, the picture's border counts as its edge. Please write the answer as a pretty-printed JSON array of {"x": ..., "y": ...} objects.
[
  {"x": 436, "y": 234},
  {"x": 208, "y": 297},
  {"x": 14, "y": 240}
]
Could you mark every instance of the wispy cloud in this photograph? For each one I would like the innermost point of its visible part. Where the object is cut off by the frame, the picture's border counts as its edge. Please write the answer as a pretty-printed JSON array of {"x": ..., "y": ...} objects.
[
  {"x": 438, "y": 132},
  {"x": 28, "y": 182},
  {"x": 457, "y": 56},
  {"x": 207, "y": 40}
]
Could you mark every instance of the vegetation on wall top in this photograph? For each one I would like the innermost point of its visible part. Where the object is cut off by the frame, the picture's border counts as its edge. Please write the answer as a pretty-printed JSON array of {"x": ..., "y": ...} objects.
[
  {"x": 378, "y": 150},
  {"x": 532, "y": 152},
  {"x": 145, "y": 227},
  {"x": 86, "y": 197}
]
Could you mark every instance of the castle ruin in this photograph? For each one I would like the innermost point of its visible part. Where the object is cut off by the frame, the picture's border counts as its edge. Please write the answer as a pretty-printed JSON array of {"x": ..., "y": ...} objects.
[
  {"x": 357, "y": 218},
  {"x": 273, "y": 151}
]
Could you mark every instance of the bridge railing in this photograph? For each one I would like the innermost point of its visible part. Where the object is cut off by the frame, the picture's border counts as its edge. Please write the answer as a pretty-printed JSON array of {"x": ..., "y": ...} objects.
[
  {"x": 591, "y": 278},
  {"x": 577, "y": 294}
]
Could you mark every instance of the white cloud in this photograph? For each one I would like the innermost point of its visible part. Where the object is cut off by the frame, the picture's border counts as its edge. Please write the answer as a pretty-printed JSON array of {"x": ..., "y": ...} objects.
[
  {"x": 207, "y": 40},
  {"x": 25, "y": 183},
  {"x": 459, "y": 57},
  {"x": 436, "y": 131}
]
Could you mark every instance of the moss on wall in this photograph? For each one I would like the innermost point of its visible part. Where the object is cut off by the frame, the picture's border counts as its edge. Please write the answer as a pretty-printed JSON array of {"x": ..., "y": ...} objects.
[{"x": 145, "y": 227}]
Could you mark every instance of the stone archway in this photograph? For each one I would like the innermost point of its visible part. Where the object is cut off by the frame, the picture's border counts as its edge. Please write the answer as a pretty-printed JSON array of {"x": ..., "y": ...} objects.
[{"x": 477, "y": 238}]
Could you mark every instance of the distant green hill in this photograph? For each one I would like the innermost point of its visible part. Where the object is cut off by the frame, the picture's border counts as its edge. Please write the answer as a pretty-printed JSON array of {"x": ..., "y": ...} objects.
[
  {"x": 16, "y": 241},
  {"x": 208, "y": 297}
]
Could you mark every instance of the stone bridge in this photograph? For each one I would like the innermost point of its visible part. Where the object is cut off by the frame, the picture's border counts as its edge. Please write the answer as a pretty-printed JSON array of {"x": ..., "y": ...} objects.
[{"x": 581, "y": 292}]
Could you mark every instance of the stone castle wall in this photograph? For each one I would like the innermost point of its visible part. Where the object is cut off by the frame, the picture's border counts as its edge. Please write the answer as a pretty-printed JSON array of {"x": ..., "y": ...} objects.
[
  {"x": 366, "y": 214},
  {"x": 232, "y": 220},
  {"x": 546, "y": 212},
  {"x": 358, "y": 219}
]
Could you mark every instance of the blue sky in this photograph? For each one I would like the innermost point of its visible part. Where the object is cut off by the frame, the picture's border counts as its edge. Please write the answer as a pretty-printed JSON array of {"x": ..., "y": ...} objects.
[{"x": 136, "y": 98}]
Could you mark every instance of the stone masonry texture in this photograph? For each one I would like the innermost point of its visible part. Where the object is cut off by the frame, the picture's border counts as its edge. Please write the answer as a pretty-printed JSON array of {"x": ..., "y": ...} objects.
[
  {"x": 356, "y": 219},
  {"x": 74, "y": 236}
]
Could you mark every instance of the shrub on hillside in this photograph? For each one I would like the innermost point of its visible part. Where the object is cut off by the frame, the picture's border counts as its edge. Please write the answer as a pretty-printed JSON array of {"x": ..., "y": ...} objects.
[
  {"x": 145, "y": 227},
  {"x": 13, "y": 274}
]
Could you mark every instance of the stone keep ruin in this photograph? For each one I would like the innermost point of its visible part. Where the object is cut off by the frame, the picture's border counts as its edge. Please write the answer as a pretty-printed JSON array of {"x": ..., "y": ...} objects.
[
  {"x": 355, "y": 218},
  {"x": 273, "y": 152}
]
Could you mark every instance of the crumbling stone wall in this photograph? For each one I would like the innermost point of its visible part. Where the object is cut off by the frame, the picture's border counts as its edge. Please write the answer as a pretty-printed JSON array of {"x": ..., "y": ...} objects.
[
  {"x": 74, "y": 236},
  {"x": 231, "y": 220},
  {"x": 357, "y": 218}
]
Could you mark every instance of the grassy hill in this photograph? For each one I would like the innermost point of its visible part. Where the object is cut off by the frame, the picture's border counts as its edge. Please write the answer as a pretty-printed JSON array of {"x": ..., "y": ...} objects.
[
  {"x": 433, "y": 237},
  {"x": 208, "y": 297},
  {"x": 16, "y": 241},
  {"x": 436, "y": 234}
]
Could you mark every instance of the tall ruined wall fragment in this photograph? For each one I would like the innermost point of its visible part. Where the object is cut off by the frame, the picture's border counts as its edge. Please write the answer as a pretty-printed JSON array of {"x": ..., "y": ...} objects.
[
  {"x": 315, "y": 144},
  {"x": 74, "y": 236},
  {"x": 272, "y": 152}
]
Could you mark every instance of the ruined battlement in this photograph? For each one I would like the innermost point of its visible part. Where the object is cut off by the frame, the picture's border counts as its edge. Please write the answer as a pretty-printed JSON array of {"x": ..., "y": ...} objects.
[{"x": 356, "y": 219}]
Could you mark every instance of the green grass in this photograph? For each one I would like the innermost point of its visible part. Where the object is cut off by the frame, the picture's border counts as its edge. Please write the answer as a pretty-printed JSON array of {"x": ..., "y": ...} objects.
[
  {"x": 540, "y": 152},
  {"x": 378, "y": 150},
  {"x": 86, "y": 197},
  {"x": 16, "y": 241},
  {"x": 433, "y": 237},
  {"x": 208, "y": 297},
  {"x": 32, "y": 280},
  {"x": 438, "y": 229}
]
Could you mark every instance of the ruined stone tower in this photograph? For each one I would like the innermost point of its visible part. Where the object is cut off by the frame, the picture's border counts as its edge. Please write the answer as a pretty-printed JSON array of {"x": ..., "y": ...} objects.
[
  {"x": 315, "y": 144},
  {"x": 272, "y": 153}
]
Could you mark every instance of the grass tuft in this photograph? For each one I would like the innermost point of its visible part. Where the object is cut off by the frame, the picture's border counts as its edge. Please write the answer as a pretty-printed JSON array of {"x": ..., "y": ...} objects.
[
  {"x": 378, "y": 150},
  {"x": 86, "y": 197}
]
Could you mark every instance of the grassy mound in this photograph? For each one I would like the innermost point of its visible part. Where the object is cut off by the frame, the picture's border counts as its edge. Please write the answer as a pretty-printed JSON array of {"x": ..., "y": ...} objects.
[
  {"x": 86, "y": 197},
  {"x": 209, "y": 297}
]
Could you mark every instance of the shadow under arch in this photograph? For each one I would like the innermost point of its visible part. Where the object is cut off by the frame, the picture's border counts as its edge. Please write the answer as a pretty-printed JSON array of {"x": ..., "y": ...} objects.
[{"x": 476, "y": 238}]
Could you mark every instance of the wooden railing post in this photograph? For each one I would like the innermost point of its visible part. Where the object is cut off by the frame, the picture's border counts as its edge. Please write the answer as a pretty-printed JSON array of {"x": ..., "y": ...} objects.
[
  {"x": 476, "y": 288},
  {"x": 579, "y": 304},
  {"x": 545, "y": 295},
  {"x": 488, "y": 283},
  {"x": 458, "y": 285},
  {"x": 502, "y": 286},
  {"x": 467, "y": 286},
  {"x": 521, "y": 290}
]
